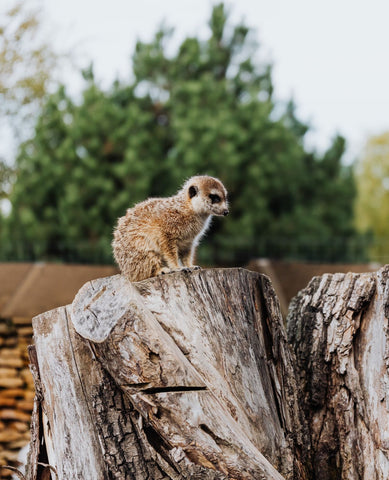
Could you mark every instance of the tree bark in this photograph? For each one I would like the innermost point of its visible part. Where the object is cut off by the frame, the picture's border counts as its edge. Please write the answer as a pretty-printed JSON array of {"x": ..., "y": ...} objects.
[
  {"x": 338, "y": 327},
  {"x": 181, "y": 376}
]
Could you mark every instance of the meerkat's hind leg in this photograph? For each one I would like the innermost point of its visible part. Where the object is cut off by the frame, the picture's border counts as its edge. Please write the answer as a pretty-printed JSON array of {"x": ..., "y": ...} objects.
[{"x": 141, "y": 265}]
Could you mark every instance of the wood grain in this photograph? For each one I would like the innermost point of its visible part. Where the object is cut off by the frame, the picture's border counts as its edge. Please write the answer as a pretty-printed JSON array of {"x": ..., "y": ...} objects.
[
  {"x": 187, "y": 375},
  {"x": 338, "y": 326}
]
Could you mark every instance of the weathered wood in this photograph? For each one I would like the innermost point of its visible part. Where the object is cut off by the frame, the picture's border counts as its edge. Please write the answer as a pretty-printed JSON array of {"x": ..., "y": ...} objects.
[
  {"x": 179, "y": 376},
  {"x": 338, "y": 327},
  {"x": 36, "y": 468}
]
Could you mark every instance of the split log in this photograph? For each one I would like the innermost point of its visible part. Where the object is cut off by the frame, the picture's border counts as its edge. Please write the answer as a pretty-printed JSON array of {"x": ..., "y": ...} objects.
[
  {"x": 181, "y": 376},
  {"x": 338, "y": 327}
]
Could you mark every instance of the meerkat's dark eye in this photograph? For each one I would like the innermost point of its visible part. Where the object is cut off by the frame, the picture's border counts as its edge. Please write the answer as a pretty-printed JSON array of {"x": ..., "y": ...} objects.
[{"x": 214, "y": 198}]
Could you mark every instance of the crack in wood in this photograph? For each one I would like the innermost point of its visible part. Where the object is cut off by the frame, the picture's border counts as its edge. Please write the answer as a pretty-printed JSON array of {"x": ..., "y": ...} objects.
[
  {"x": 96, "y": 297},
  {"x": 173, "y": 389},
  {"x": 130, "y": 369},
  {"x": 341, "y": 316}
]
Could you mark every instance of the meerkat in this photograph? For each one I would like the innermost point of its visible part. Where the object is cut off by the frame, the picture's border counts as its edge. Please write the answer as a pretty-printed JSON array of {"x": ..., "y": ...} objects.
[{"x": 160, "y": 235}]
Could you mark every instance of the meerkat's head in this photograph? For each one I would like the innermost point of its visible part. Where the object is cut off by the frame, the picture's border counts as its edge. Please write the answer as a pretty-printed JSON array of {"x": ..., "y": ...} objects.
[{"x": 207, "y": 195}]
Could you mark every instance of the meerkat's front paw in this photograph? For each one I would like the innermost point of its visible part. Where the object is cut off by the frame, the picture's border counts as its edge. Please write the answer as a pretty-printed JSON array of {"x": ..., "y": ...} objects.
[
  {"x": 190, "y": 269},
  {"x": 166, "y": 270},
  {"x": 186, "y": 269}
]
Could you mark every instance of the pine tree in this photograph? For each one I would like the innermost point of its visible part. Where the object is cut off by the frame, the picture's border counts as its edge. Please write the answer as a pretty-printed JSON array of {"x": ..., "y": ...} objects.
[{"x": 207, "y": 109}]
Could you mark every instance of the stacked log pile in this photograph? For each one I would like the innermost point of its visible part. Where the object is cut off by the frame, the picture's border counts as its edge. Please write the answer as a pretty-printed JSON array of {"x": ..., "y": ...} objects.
[{"x": 16, "y": 390}]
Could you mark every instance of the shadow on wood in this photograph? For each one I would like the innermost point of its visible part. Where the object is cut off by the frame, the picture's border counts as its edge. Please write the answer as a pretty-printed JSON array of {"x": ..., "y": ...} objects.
[{"x": 182, "y": 376}]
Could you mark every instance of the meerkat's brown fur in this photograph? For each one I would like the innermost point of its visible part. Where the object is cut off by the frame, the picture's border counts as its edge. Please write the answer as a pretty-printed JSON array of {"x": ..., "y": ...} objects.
[{"x": 160, "y": 235}]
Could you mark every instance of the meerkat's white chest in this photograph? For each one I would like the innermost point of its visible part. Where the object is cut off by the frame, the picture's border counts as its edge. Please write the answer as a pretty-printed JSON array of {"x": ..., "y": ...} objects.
[{"x": 202, "y": 231}]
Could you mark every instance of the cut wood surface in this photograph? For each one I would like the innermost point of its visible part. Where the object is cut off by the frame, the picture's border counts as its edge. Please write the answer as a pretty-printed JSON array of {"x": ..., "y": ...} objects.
[
  {"x": 338, "y": 326},
  {"x": 186, "y": 375}
]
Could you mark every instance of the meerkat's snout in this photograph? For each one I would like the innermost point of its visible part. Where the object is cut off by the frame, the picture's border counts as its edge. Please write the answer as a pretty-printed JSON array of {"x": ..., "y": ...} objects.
[{"x": 226, "y": 212}]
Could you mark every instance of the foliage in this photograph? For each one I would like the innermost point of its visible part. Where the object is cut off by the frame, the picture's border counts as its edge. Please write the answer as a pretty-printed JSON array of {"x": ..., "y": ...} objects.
[
  {"x": 372, "y": 206},
  {"x": 27, "y": 66},
  {"x": 206, "y": 109},
  {"x": 26, "y": 61}
]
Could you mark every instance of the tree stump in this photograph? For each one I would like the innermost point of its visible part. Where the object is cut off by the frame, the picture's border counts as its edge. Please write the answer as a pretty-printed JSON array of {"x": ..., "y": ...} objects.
[
  {"x": 338, "y": 327},
  {"x": 182, "y": 376}
]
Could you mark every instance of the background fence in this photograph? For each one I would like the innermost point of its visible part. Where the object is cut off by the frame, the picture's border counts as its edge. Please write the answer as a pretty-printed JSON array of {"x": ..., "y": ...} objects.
[{"x": 333, "y": 250}]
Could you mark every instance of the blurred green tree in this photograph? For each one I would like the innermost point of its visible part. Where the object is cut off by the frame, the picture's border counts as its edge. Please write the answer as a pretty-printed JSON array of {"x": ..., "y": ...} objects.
[
  {"x": 207, "y": 109},
  {"x": 81, "y": 170},
  {"x": 372, "y": 205}
]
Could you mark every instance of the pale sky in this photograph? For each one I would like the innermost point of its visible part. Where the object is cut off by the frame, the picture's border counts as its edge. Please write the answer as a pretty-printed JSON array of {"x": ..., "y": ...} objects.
[{"x": 331, "y": 55}]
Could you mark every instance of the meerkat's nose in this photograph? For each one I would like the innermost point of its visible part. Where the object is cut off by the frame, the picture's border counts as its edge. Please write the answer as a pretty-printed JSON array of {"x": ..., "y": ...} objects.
[{"x": 226, "y": 212}]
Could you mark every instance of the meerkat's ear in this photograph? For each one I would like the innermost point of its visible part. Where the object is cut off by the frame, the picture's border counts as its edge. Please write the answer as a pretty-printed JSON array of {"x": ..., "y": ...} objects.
[{"x": 193, "y": 191}]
